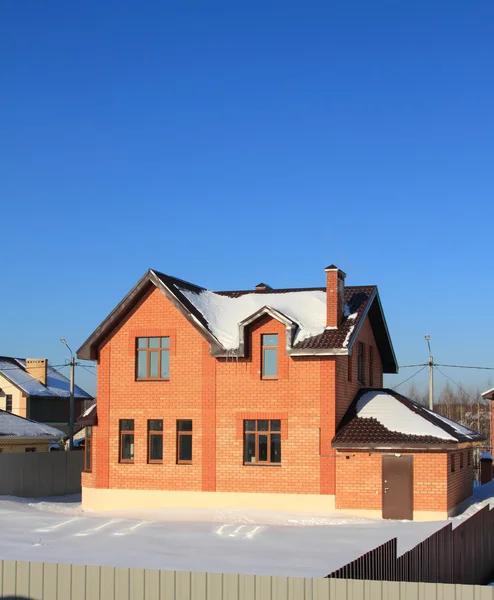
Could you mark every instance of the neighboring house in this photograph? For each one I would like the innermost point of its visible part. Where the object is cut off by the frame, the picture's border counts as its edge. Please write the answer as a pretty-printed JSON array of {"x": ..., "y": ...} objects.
[
  {"x": 489, "y": 395},
  {"x": 248, "y": 399},
  {"x": 18, "y": 434},
  {"x": 32, "y": 388},
  {"x": 84, "y": 437}
]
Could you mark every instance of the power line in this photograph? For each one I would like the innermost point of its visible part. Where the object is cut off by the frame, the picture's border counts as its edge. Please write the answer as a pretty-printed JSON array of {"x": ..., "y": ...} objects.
[
  {"x": 457, "y": 385},
  {"x": 409, "y": 366},
  {"x": 22, "y": 367},
  {"x": 411, "y": 376},
  {"x": 464, "y": 367},
  {"x": 92, "y": 372}
]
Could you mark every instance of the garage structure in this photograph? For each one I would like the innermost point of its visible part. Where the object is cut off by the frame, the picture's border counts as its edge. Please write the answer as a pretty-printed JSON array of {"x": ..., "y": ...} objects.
[{"x": 400, "y": 460}]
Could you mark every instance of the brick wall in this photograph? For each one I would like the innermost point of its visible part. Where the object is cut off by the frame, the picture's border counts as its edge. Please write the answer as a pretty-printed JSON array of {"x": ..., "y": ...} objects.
[
  {"x": 359, "y": 481},
  {"x": 430, "y": 482},
  {"x": 460, "y": 482},
  {"x": 346, "y": 390},
  {"x": 20, "y": 446},
  {"x": 217, "y": 394}
]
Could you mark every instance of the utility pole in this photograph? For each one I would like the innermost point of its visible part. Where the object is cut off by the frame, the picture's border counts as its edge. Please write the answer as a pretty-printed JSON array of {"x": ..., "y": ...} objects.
[
  {"x": 431, "y": 373},
  {"x": 71, "y": 401}
]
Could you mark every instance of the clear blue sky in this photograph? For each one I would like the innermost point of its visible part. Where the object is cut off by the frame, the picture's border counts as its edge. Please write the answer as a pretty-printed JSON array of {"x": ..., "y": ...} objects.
[{"x": 235, "y": 143}]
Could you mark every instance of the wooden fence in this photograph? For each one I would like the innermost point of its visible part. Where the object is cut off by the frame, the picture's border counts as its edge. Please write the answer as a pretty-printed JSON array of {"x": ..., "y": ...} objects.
[
  {"x": 40, "y": 474},
  {"x": 464, "y": 555},
  {"x": 44, "y": 581}
]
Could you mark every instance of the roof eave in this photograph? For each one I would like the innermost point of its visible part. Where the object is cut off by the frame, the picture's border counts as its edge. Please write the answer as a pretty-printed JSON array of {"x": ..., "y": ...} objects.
[
  {"x": 392, "y": 367},
  {"x": 421, "y": 447},
  {"x": 31, "y": 438},
  {"x": 89, "y": 350}
]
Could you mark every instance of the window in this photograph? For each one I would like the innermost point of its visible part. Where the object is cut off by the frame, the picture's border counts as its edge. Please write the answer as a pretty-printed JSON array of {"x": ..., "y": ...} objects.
[
  {"x": 269, "y": 365},
  {"x": 155, "y": 440},
  {"x": 8, "y": 403},
  {"x": 87, "y": 449},
  {"x": 453, "y": 466},
  {"x": 127, "y": 440},
  {"x": 371, "y": 366},
  {"x": 361, "y": 362},
  {"x": 184, "y": 442},
  {"x": 262, "y": 441},
  {"x": 30, "y": 449},
  {"x": 350, "y": 365},
  {"x": 153, "y": 358},
  {"x": 461, "y": 460}
]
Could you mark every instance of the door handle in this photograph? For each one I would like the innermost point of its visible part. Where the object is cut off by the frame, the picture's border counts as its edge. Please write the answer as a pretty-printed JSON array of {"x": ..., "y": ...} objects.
[{"x": 386, "y": 489}]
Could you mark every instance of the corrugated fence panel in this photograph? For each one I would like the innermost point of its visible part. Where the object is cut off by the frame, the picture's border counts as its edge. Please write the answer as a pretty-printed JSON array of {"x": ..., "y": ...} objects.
[
  {"x": 463, "y": 555},
  {"x": 40, "y": 474},
  {"x": 44, "y": 581}
]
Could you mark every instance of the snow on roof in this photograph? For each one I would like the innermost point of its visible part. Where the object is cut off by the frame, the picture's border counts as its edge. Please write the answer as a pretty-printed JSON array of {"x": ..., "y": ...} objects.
[
  {"x": 223, "y": 313},
  {"x": 87, "y": 412},
  {"x": 14, "y": 426},
  {"x": 456, "y": 426},
  {"x": 56, "y": 383},
  {"x": 488, "y": 394},
  {"x": 395, "y": 416},
  {"x": 486, "y": 456}
]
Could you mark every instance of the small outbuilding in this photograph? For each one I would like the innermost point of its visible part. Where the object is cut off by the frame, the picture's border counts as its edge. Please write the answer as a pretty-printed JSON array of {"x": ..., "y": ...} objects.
[
  {"x": 399, "y": 460},
  {"x": 18, "y": 434}
]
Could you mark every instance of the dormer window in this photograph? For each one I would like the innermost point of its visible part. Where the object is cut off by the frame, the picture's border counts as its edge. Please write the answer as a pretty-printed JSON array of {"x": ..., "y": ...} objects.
[
  {"x": 153, "y": 358},
  {"x": 269, "y": 356}
]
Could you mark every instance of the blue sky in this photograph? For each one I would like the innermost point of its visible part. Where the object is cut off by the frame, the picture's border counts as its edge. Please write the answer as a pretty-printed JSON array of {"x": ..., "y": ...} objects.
[{"x": 230, "y": 143}]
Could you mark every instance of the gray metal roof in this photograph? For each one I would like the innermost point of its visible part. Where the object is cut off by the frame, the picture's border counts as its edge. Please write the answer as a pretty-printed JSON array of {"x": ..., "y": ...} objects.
[
  {"x": 58, "y": 385},
  {"x": 15, "y": 426}
]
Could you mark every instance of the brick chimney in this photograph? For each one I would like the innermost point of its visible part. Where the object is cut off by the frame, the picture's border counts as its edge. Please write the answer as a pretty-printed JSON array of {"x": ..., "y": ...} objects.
[
  {"x": 335, "y": 288},
  {"x": 37, "y": 367}
]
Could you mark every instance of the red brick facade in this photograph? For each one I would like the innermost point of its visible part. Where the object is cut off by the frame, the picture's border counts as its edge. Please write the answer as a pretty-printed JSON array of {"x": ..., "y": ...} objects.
[
  {"x": 309, "y": 396},
  {"x": 436, "y": 488}
]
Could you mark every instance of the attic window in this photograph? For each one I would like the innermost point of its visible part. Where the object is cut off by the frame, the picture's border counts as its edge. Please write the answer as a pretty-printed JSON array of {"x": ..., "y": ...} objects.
[
  {"x": 269, "y": 367},
  {"x": 153, "y": 358}
]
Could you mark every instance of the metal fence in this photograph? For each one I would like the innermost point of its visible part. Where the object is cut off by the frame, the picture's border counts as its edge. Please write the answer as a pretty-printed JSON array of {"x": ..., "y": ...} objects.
[
  {"x": 44, "y": 581},
  {"x": 40, "y": 474},
  {"x": 464, "y": 555}
]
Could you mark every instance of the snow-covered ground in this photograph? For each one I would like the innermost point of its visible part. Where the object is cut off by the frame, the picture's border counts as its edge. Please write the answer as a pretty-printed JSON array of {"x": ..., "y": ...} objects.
[{"x": 227, "y": 541}]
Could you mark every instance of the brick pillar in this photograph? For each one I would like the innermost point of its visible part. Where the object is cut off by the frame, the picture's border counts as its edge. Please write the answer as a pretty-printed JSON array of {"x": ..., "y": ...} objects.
[
  {"x": 101, "y": 442},
  {"x": 327, "y": 426},
  {"x": 208, "y": 420},
  {"x": 335, "y": 289}
]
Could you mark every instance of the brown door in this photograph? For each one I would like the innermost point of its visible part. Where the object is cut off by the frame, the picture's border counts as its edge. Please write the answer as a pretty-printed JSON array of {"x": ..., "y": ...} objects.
[{"x": 397, "y": 492}]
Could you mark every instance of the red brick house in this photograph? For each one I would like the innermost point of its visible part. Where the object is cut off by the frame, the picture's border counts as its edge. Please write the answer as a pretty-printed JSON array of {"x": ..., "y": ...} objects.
[{"x": 247, "y": 399}]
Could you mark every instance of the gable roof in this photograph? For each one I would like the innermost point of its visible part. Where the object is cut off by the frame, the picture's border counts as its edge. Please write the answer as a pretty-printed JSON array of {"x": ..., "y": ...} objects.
[
  {"x": 384, "y": 419},
  {"x": 57, "y": 385},
  {"x": 15, "y": 426},
  {"x": 222, "y": 316},
  {"x": 89, "y": 416}
]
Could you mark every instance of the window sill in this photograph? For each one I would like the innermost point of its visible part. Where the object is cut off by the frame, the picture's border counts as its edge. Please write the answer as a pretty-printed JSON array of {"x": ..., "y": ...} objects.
[
  {"x": 151, "y": 379},
  {"x": 269, "y": 378},
  {"x": 87, "y": 471},
  {"x": 188, "y": 462},
  {"x": 155, "y": 462},
  {"x": 251, "y": 464},
  {"x": 126, "y": 462}
]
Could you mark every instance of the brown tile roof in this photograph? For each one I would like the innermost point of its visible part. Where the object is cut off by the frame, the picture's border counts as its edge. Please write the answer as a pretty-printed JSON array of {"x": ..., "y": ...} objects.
[
  {"x": 356, "y": 432},
  {"x": 361, "y": 301},
  {"x": 357, "y": 299}
]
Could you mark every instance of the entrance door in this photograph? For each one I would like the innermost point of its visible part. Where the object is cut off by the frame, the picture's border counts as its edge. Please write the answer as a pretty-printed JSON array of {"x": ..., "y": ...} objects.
[{"x": 397, "y": 491}]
